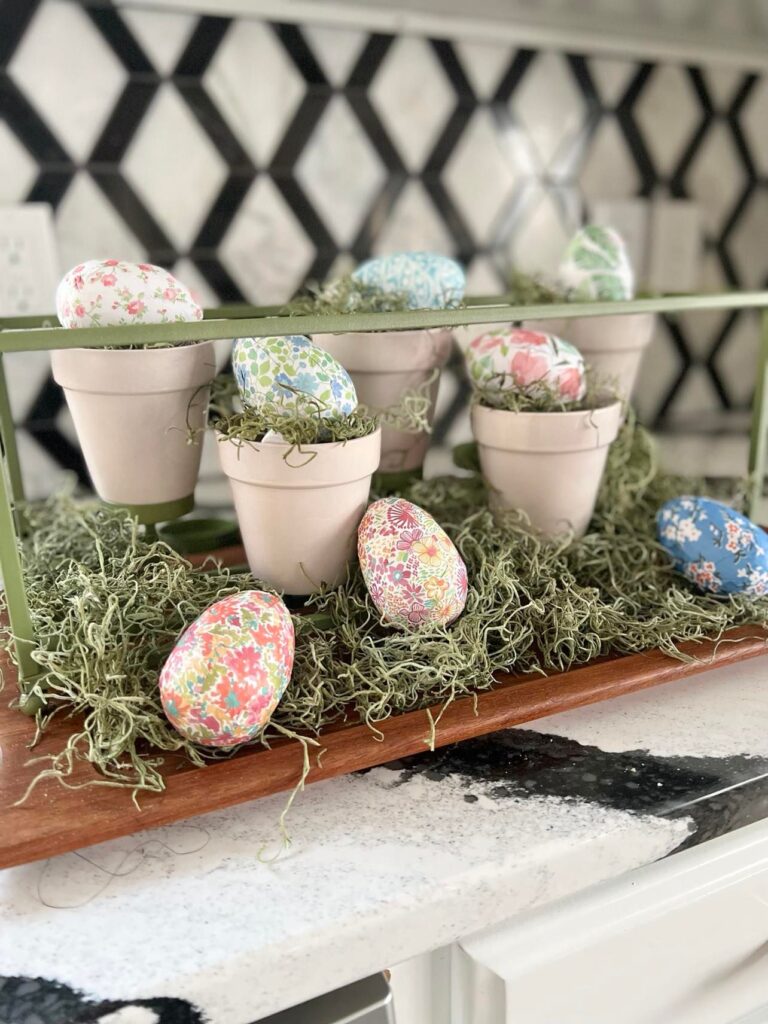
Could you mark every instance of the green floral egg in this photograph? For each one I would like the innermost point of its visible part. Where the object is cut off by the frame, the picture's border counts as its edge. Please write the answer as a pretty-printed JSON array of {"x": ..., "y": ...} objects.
[
  {"x": 292, "y": 374},
  {"x": 596, "y": 266}
]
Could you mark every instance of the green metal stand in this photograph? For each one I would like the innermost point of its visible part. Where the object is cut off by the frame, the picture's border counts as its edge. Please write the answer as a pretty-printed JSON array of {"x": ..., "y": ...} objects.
[{"x": 758, "y": 442}]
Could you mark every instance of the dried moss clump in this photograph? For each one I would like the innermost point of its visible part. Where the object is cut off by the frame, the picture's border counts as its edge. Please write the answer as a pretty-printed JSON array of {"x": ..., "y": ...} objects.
[
  {"x": 345, "y": 295},
  {"x": 108, "y": 607}
]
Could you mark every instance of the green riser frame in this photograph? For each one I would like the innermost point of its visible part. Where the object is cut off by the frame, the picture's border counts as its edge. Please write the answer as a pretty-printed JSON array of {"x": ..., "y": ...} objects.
[{"x": 28, "y": 334}]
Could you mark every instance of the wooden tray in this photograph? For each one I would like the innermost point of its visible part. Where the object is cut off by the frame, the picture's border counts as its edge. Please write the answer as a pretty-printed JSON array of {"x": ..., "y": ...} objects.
[{"x": 57, "y": 820}]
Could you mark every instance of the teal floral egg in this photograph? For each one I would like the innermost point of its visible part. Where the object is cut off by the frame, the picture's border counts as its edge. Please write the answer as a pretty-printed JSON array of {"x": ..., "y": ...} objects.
[
  {"x": 292, "y": 374},
  {"x": 715, "y": 547},
  {"x": 225, "y": 676},
  {"x": 426, "y": 280},
  {"x": 596, "y": 266}
]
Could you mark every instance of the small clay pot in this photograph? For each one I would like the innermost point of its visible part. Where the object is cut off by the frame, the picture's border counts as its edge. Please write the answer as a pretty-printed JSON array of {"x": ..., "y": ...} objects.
[
  {"x": 383, "y": 366},
  {"x": 612, "y": 345},
  {"x": 132, "y": 410},
  {"x": 299, "y": 508},
  {"x": 548, "y": 464}
]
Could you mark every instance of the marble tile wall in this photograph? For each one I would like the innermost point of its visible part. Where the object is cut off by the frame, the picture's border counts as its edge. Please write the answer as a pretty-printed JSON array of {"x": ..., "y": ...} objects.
[{"x": 252, "y": 156}]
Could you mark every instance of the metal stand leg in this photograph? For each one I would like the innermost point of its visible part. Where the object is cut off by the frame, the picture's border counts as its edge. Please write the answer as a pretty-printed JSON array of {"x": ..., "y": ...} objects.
[
  {"x": 759, "y": 436},
  {"x": 10, "y": 450}
]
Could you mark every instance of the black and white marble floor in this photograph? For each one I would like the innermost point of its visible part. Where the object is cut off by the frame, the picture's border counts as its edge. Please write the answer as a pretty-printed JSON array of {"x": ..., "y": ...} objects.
[{"x": 196, "y": 921}]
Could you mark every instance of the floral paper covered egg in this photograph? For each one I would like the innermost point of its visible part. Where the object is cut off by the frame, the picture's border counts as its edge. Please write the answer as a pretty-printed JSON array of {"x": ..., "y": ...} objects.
[
  {"x": 103, "y": 293},
  {"x": 286, "y": 371},
  {"x": 228, "y": 670},
  {"x": 519, "y": 359},
  {"x": 412, "y": 570},
  {"x": 425, "y": 279},
  {"x": 713, "y": 546},
  {"x": 596, "y": 266}
]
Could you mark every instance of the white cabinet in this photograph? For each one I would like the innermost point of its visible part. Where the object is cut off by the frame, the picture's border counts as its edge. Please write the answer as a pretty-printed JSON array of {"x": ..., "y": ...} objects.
[{"x": 684, "y": 941}]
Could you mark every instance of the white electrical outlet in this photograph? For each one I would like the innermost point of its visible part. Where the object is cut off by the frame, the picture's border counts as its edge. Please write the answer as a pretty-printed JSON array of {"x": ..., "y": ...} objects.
[{"x": 29, "y": 270}]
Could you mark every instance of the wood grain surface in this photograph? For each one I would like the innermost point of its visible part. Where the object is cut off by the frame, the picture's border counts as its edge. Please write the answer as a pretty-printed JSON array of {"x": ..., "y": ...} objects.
[{"x": 56, "y": 820}]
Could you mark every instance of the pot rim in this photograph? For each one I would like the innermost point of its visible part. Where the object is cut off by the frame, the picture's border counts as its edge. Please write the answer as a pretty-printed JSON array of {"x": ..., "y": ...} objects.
[
  {"x": 323, "y": 464},
  {"x": 157, "y": 369},
  {"x": 547, "y": 432}
]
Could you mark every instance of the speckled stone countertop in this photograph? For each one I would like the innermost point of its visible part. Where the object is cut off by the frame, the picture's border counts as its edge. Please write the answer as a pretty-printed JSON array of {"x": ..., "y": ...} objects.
[{"x": 195, "y": 922}]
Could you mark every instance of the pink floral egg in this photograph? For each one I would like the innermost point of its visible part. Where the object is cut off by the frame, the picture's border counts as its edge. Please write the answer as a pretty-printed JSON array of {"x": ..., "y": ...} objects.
[
  {"x": 229, "y": 669},
  {"x": 103, "y": 293},
  {"x": 413, "y": 572},
  {"x": 523, "y": 360}
]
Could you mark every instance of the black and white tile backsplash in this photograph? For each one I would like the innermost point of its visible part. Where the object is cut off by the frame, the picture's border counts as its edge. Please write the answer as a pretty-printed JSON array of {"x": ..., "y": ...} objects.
[{"x": 252, "y": 156}]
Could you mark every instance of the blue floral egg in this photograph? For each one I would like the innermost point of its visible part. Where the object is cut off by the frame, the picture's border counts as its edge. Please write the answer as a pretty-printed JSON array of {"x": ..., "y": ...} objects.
[
  {"x": 293, "y": 374},
  {"x": 425, "y": 279},
  {"x": 715, "y": 547}
]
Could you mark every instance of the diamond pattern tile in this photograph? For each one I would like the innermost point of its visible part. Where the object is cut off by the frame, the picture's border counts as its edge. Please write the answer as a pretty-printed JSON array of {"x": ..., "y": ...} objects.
[
  {"x": 412, "y": 79},
  {"x": 80, "y": 83},
  {"x": 541, "y": 233},
  {"x": 754, "y": 118},
  {"x": 734, "y": 363},
  {"x": 255, "y": 85},
  {"x": 668, "y": 113},
  {"x": 611, "y": 77},
  {"x": 19, "y": 167},
  {"x": 608, "y": 170},
  {"x": 661, "y": 371},
  {"x": 482, "y": 174},
  {"x": 337, "y": 49},
  {"x": 484, "y": 63},
  {"x": 747, "y": 243},
  {"x": 163, "y": 35},
  {"x": 716, "y": 177},
  {"x": 265, "y": 251},
  {"x": 89, "y": 227},
  {"x": 549, "y": 107},
  {"x": 414, "y": 222},
  {"x": 250, "y": 156},
  {"x": 340, "y": 171},
  {"x": 178, "y": 182}
]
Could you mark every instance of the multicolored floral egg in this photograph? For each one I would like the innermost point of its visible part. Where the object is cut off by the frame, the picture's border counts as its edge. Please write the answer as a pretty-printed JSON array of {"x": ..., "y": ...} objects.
[
  {"x": 714, "y": 546},
  {"x": 103, "y": 293},
  {"x": 523, "y": 360},
  {"x": 229, "y": 669},
  {"x": 411, "y": 567},
  {"x": 596, "y": 266},
  {"x": 292, "y": 374},
  {"x": 426, "y": 280}
]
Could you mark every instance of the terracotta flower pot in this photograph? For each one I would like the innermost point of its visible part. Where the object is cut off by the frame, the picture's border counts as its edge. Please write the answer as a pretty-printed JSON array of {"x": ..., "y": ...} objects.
[
  {"x": 612, "y": 345},
  {"x": 383, "y": 366},
  {"x": 132, "y": 410},
  {"x": 548, "y": 464},
  {"x": 299, "y": 510}
]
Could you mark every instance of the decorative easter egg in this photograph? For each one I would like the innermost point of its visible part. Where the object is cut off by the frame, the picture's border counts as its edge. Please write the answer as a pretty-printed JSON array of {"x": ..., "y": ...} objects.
[
  {"x": 102, "y": 293},
  {"x": 228, "y": 670},
  {"x": 412, "y": 570},
  {"x": 426, "y": 280},
  {"x": 713, "y": 546},
  {"x": 523, "y": 360},
  {"x": 596, "y": 266},
  {"x": 292, "y": 374}
]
